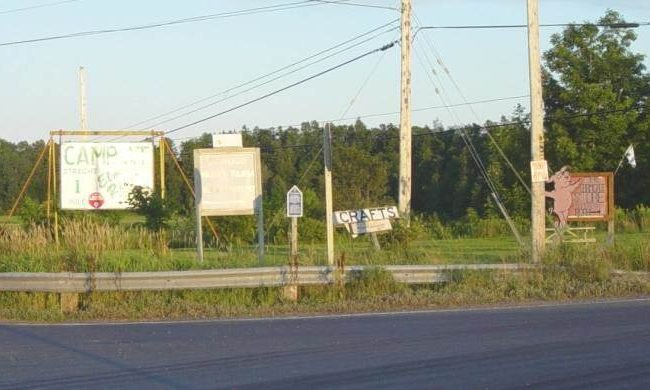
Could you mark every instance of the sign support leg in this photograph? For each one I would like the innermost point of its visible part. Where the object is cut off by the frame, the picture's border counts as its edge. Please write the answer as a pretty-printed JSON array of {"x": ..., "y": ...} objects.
[{"x": 260, "y": 230}]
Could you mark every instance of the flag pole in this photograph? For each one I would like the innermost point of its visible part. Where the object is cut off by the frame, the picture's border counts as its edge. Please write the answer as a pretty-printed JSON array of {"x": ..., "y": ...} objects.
[{"x": 622, "y": 158}]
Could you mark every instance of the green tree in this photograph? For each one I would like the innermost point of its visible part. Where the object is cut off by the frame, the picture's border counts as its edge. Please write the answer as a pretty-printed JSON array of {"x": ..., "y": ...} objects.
[{"x": 594, "y": 86}]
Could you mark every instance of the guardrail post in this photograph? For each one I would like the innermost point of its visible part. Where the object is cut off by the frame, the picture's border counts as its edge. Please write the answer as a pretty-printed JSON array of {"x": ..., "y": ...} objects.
[{"x": 69, "y": 302}]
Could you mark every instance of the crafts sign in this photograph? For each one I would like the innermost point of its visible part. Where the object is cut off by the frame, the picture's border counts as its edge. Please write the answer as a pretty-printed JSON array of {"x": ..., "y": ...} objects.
[
  {"x": 101, "y": 175},
  {"x": 582, "y": 196}
]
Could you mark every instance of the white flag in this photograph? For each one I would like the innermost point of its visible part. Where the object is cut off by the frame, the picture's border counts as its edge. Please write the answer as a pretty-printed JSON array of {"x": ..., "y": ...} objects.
[{"x": 629, "y": 154}]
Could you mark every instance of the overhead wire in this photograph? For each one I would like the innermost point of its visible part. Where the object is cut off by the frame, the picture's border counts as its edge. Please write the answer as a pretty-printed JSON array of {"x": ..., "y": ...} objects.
[
  {"x": 357, "y": 5},
  {"x": 193, "y": 19},
  {"x": 256, "y": 86},
  {"x": 275, "y": 92},
  {"x": 462, "y": 95},
  {"x": 475, "y": 155},
  {"x": 32, "y": 7},
  {"x": 264, "y": 76}
]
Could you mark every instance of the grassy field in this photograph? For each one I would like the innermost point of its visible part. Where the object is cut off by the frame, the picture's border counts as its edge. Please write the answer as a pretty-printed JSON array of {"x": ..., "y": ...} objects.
[{"x": 569, "y": 272}]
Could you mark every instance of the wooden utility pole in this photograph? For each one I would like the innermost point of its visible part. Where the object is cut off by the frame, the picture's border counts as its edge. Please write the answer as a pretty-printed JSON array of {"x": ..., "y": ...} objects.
[
  {"x": 538, "y": 219},
  {"x": 404, "y": 201},
  {"x": 327, "y": 151},
  {"x": 83, "y": 118}
]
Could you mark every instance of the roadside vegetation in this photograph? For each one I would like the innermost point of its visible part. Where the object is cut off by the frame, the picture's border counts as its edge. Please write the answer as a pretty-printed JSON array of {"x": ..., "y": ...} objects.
[{"x": 596, "y": 91}]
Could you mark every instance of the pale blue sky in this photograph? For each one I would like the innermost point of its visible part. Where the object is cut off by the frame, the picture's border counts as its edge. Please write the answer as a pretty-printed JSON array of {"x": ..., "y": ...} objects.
[{"x": 132, "y": 76}]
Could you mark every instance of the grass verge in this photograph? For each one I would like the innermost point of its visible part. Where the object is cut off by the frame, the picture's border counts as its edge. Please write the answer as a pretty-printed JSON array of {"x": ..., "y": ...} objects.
[{"x": 563, "y": 278}]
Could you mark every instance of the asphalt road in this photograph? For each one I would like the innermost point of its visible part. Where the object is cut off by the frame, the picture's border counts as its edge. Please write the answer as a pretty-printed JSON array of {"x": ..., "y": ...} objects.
[{"x": 597, "y": 345}]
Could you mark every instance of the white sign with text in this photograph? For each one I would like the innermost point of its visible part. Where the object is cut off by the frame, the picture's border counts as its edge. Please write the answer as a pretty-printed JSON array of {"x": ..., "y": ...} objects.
[
  {"x": 228, "y": 181},
  {"x": 101, "y": 175}
]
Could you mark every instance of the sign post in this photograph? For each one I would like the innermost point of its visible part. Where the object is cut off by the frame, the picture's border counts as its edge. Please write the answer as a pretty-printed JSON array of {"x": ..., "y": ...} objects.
[
  {"x": 228, "y": 181},
  {"x": 294, "y": 211}
]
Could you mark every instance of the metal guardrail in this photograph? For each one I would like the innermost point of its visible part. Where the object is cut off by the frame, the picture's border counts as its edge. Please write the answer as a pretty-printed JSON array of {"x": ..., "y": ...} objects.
[{"x": 67, "y": 282}]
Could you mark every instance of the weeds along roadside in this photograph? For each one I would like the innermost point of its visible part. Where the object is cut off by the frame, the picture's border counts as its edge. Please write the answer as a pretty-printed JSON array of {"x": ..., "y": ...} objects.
[{"x": 565, "y": 276}]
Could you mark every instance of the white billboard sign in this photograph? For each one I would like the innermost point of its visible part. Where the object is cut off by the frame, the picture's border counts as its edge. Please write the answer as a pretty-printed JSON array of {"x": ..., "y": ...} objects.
[
  {"x": 228, "y": 181},
  {"x": 98, "y": 175}
]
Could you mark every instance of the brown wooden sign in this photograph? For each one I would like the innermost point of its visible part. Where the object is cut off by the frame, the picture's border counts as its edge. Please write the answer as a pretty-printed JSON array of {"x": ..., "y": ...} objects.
[
  {"x": 593, "y": 197},
  {"x": 582, "y": 196}
]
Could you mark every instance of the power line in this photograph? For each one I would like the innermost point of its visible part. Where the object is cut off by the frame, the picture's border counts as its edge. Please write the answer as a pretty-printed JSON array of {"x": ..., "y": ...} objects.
[
  {"x": 16, "y": 10},
  {"x": 265, "y": 76},
  {"x": 200, "y": 18},
  {"x": 383, "y": 48},
  {"x": 508, "y": 26},
  {"x": 357, "y": 5},
  {"x": 396, "y": 112}
]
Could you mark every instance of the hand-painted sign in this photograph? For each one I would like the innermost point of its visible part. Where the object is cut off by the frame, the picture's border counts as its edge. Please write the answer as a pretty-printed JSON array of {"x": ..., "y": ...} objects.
[
  {"x": 380, "y": 225},
  {"x": 228, "y": 181},
  {"x": 101, "y": 175},
  {"x": 539, "y": 171},
  {"x": 364, "y": 215},
  {"x": 581, "y": 196},
  {"x": 294, "y": 202}
]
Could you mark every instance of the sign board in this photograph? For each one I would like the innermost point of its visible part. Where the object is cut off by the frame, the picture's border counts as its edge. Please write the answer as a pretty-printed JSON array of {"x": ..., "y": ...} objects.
[
  {"x": 294, "y": 202},
  {"x": 380, "y": 225},
  {"x": 364, "y": 215},
  {"x": 539, "y": 171},
  {"x": 226, "y": 141},
  {"x": 100, "y": 175},
  {"x": 227, "y": 181},
  {"x": 592, "y": 199}
]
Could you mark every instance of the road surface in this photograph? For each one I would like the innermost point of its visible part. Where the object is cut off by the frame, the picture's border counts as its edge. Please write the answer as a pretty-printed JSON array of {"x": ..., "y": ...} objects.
[{"x": 586, "y": 345}]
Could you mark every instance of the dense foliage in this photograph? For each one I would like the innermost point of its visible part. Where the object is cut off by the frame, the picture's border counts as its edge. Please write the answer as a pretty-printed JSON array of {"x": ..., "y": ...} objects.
[{"x": 596, "y": 92}]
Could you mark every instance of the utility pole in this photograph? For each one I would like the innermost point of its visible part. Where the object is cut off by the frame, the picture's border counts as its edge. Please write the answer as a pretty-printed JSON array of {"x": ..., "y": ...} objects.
[
  {"x": 82, "y": 99},
  {"x": 538, "y": 219},
  {"x": 404, "y": 204},
  {"x": 327, "y": 152}
]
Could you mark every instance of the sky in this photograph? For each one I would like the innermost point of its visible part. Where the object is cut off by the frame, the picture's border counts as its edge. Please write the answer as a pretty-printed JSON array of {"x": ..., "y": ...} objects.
[{"x": 134, "y": 76}]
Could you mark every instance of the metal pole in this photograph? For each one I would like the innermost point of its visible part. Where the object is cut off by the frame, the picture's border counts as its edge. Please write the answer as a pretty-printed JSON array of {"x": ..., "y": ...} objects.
[
  {"x": 404, "y": 201},
  {"x": 83, "y": 118},
  {"x": 538, "y": 219},
  {"x": 327, "y": 151}
]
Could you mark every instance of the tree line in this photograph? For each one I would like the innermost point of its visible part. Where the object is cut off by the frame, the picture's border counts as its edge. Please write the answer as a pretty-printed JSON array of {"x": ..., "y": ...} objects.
[{"x": 596, "y": 91}]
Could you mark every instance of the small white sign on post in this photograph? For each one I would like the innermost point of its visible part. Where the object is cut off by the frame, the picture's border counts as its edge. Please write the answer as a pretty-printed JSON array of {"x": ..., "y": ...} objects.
[
  {"x": 227, "y": 141},
  {"x": 539, "y": 171},
  {"x": 294, "y": 202}
]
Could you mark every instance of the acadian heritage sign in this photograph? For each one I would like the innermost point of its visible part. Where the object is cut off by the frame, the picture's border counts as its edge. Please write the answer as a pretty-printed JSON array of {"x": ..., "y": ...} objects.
[{"x": 101, "y": 175}]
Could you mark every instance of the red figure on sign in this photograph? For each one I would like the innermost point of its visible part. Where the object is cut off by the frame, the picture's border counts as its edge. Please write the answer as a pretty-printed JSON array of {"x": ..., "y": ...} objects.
[
  {"x": 561, "y": 195},
  {"x": 96, "y": 200}
]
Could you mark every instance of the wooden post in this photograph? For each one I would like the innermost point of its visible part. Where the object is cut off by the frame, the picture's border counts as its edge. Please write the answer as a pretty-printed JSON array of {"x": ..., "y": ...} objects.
[
  {"x": 404, "y": 201},
  {"x": 259, "y": 211},
  {"x": 161, "y": 153},
  {"x": 294, "y": 240},
  {"x": 69, "y": 302},
  {"x": 49, "y": 181},
  {"x": 199, "y": 235},
  {"x": 327, "y": 151},
  {"x": 54, "y": 195},
  {"x": 538, "y": 218}
]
